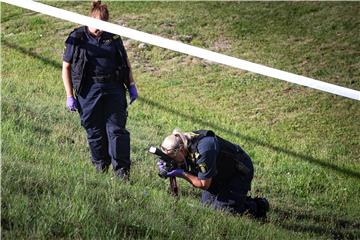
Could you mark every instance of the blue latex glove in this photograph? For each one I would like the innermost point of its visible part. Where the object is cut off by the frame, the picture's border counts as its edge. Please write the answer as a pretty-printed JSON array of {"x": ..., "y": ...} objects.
[
  {"x": 71, "y": 104},
  {"x": 175, "y": 173},
  {"x": 133, "y": 93}
]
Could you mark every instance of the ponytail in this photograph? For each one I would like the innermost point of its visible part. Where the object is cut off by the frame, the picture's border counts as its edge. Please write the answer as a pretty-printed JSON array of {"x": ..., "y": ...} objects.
[
  {"x": 96, "y": 3},
  {"x": 186, "y": 137},
  {"x": 177, "y": 139},
  {"x": 99, "y": 10}
]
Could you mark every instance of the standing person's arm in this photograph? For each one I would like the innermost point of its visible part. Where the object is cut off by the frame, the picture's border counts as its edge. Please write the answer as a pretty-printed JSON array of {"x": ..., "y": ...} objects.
[
  {"x": 66, "y": 76},
  {"x": 132, "y": 87},
  {"x": 131, "y": 78},
  {"x": 71, "y": 103},
  {"x": 131, "y": 84}
]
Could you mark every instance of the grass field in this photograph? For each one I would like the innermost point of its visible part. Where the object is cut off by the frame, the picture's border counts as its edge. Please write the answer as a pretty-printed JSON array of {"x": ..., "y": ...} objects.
[{"x": 305, "y": 144}]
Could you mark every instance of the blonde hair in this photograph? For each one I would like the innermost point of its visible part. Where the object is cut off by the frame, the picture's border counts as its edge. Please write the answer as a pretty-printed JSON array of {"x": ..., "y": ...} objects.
[
  {"x": 99, "y": 10},
  {"x": 177, "y": 139}
]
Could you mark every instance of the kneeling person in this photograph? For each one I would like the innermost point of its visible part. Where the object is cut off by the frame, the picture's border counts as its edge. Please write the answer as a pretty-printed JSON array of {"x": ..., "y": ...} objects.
[{"x": 220, "y": 168}]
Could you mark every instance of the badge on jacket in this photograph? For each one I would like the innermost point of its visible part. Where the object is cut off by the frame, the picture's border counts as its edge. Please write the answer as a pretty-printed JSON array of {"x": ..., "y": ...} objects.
[
  {"x": 203, "y": 168},
  {"x": 194, "y": 156},
  {"x": 107, "y": 41}
]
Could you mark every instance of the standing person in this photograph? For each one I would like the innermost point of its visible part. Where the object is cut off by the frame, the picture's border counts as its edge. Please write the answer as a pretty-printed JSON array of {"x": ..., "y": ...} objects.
[
  {"x": 220, "y": 168},
  {"x": 96, "y": 72}
]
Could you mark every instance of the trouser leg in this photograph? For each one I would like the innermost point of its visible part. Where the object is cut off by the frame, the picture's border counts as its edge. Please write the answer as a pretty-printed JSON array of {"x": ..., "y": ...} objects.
[
  {"x": 118, "y": 136},
  {"x": 98, "y": 145},
  {"x": 228, "y": 201},
  {"x": 240, "y": 187},
  {"x": 119, "y": 147},
  {"x": 92, "y": 119},
  {"x": 233, "y": 195}
]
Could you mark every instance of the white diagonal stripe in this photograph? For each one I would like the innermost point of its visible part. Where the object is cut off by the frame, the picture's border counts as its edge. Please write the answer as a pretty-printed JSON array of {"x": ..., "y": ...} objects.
[{"x": 185, "y": 48}]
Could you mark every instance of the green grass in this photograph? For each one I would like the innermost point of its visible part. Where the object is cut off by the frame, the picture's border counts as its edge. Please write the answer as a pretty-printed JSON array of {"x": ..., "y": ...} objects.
[{"x": 305, "y": 144}]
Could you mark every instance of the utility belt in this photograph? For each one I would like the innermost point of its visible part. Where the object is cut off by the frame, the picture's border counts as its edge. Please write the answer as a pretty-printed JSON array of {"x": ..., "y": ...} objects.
[
  {"x": 119, "y": 75},
  {"x": 238, "y": 166},
  {"x": 240, "y": 157},
  {"x": 234, "y": 158},
  {"x": 108, "y": 78}
]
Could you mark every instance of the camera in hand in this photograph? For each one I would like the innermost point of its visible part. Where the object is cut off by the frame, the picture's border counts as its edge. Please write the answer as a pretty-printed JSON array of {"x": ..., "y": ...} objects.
[{"x": 170, "y": 163}]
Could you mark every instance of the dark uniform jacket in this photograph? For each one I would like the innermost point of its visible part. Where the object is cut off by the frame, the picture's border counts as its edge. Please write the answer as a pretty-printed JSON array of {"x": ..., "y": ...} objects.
[
  {"x": 77, "y": 53},
  {"x": 214, "y": 157}
]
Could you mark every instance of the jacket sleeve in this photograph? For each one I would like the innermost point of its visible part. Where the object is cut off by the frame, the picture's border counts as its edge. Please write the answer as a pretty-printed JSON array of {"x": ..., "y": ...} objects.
[
  {"x": 69, "y": 47},
  {"x": 208, "y": 150}
]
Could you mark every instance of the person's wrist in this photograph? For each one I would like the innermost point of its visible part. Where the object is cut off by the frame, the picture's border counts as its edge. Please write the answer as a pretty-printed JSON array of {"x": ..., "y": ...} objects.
[{"x": 180, "y": 172}]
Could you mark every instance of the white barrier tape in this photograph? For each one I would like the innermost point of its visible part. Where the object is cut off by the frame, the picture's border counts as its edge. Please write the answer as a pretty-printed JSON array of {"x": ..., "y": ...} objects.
[{"x": 185, "y": 48}]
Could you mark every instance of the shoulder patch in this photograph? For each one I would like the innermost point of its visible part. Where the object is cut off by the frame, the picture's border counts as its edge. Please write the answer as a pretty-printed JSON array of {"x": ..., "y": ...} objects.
[
  {"x": 194, "y": 156},
  {"x": 78, "y": 34},
  {"x": 203, "y": 167},
  {"x": 107, "y": 41},
  {"x": 116, "y": 37}
]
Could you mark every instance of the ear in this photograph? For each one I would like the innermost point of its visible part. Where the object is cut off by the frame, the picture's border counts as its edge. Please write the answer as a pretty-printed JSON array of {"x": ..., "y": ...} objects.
[
  {"x": 182, "y": 148},
  {"x": 184, "y": 151}
]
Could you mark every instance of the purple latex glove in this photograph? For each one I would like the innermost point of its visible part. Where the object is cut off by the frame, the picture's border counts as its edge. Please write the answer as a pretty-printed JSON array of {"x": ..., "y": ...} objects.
[
  {"x": 175, "y": 173},
  {"x": 71, "y": 104},
  {"x": 161, "y": 165},
  {"x": 133, "y": 93},
  {"x": 164, "y": 173},
  {"x": 162, "y": 169}
]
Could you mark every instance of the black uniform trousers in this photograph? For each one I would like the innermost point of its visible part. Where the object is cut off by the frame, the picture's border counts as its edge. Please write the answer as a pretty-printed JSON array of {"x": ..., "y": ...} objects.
[
  {"x": 232, "y": 194},
  {"x": 103, "y": 114}
]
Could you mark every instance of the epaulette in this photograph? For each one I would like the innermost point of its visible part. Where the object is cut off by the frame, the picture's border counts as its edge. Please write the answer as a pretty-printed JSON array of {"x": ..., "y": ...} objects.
[
  {"x": 78, "y": 35},
  {"x": 79, "y": 32}
]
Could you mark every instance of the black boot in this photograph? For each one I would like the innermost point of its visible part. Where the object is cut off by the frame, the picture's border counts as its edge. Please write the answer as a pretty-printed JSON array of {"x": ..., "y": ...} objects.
[
  {"x": 123, "y": 173},
  {"x": 101, "y": 168},
  {"x": 262, "y": 207}
]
